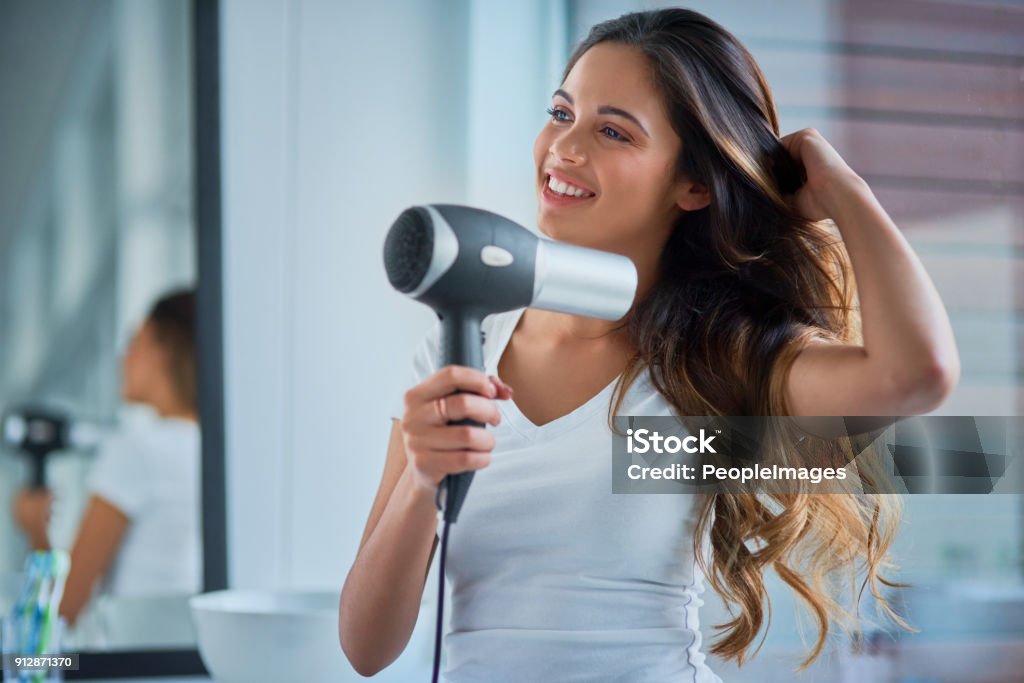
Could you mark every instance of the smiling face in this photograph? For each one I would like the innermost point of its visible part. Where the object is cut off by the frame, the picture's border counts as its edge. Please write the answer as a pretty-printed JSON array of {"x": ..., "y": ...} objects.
[{"x": 611, "y": 142}]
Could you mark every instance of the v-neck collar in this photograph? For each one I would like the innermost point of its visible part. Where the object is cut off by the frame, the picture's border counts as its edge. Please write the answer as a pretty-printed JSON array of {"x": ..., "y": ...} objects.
[{"x": 515, "y": 417}]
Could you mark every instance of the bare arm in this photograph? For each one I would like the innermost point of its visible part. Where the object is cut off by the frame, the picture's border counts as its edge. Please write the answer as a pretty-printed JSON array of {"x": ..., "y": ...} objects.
[
  {"x": 32, "y": 514},
  {"x": 384, "y": 588},
  {"x": 97, "y": 543},
  {"x": 909, "y": 362},
  {"x": 381, "y": 598}
]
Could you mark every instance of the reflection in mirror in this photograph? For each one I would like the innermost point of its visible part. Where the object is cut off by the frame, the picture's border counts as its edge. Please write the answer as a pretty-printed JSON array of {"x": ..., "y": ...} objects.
[{"x": 100, "y": 453}]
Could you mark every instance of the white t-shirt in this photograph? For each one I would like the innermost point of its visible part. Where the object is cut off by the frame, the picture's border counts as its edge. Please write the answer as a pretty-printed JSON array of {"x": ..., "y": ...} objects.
[
  {"x": 151, "y": 472},
  {"x": 553, "y": 577}
]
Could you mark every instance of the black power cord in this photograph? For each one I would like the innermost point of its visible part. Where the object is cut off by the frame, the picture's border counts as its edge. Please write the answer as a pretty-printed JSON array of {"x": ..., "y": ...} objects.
[
  {"x": 440, "y": 602},
  {"x": 454, "y": 488}
]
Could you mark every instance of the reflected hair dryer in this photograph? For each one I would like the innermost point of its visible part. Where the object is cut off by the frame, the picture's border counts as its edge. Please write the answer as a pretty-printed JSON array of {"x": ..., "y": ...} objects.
[
  {"x": 468, "y": 263},
  {"x": 39, "y": 432}
]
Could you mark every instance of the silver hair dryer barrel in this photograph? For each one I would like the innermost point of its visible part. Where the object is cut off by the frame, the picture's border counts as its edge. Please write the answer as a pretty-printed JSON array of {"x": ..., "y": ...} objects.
[{"x": 581, "y": 281}]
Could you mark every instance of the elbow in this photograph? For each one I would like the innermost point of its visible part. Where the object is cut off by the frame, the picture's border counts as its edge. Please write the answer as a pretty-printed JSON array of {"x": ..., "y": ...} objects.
[
  {"x": 363, "y": 668},
  {"x": 69, "y": 615},
  {"x": 360, "y": 657},
  {"x": 940, "y": 379},
  {"x": 362, "y": 665},
  {"x": 927, "y": 387},
  {"x": 70, "y": 607}
]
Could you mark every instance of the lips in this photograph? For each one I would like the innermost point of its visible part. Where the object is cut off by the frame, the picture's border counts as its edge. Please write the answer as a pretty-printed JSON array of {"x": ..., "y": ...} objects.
[
  {"x": 560, "y": 177},
  {"x": 552, "y": 200}
]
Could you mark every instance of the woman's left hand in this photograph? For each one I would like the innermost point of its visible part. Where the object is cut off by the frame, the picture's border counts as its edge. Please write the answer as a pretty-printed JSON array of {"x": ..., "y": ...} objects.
[{"x": 826, "y": 172}]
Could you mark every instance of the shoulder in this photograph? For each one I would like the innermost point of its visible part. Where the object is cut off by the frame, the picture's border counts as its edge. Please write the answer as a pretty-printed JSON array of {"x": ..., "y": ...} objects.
[
  {"x": 138, "y": 442},
  {"x": 119, "y": 445}
]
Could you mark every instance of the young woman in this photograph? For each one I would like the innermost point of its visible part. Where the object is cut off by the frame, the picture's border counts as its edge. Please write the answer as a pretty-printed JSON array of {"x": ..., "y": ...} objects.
[
  {"x": 663, "y": 145},
  {"x": 140, "y": 532}
]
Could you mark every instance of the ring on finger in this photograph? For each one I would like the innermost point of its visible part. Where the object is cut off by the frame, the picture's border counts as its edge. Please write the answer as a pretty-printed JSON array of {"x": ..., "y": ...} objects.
[{"x": 441, "y": 408}]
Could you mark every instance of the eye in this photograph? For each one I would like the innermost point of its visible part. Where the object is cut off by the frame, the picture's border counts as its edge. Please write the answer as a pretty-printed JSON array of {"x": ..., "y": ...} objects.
[
  {"x": 562, "y": 116},
  {"x": 615, "y": 135},
  {"x": 553, "y": 112}
]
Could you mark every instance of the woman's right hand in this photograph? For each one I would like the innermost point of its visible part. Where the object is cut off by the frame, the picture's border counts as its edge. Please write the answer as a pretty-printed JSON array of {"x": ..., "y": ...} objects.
[
  {"x": 433, "y": 447},
  {"x": 32, "y": 513}
]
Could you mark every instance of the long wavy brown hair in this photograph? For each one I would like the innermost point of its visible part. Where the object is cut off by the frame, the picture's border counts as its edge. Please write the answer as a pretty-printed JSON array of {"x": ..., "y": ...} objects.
[{"x": 744, "y": 284}]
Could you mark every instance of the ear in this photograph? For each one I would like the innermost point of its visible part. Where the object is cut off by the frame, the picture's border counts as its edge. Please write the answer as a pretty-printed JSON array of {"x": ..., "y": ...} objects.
[{"x": 692, "y": 196}]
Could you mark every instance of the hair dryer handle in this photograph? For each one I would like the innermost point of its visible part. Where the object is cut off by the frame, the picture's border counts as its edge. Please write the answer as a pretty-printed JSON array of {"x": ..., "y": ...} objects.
[
  {"x": 455, "y": 486},
  {"x": 461, "y": 344},
  {"x": 37, "y": 463}
]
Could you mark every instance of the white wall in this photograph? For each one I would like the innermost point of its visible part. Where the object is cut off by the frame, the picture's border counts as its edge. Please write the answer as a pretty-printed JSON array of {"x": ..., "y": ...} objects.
[
  {"x": 335, "y": 118},
  {"x": 327, "y": 137}
]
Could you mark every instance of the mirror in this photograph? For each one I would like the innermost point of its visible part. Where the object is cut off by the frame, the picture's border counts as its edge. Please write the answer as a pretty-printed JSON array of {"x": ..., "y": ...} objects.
[{"x": 105, "y": 338}]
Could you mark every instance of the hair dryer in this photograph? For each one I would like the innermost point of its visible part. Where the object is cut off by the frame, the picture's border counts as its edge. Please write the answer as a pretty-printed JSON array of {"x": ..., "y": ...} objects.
[
  {"x": 40, "y": 432},
  {"x": 467, "y": 263}
]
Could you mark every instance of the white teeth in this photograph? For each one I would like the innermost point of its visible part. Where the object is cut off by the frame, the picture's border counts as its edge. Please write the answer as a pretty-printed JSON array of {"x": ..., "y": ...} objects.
[{"x": 565, "y": 188}]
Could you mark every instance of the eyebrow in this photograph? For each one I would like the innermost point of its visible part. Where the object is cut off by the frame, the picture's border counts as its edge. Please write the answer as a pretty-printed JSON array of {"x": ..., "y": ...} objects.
[{"x": 607, "y": 109}]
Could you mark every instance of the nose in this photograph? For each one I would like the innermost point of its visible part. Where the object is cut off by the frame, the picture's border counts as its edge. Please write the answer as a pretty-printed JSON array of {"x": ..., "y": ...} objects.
[{"x": 567, "y": 147}]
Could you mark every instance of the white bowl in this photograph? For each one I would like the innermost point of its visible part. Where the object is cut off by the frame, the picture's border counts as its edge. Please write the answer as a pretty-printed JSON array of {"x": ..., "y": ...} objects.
[{"x": 270, "y": 636}]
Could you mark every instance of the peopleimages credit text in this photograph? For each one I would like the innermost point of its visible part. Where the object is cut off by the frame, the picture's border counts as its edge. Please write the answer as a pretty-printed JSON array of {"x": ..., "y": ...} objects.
[
  {"x": 825, "y": 454},
  {"x": 647, "y": 441}
]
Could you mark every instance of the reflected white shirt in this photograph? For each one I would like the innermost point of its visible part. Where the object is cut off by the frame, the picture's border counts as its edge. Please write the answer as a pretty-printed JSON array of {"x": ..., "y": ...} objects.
[{"x": 151, "y": 472}]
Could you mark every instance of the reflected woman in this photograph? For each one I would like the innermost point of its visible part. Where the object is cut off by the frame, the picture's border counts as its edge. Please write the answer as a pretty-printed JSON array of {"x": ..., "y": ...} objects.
[{"x": 140, "y": 533}]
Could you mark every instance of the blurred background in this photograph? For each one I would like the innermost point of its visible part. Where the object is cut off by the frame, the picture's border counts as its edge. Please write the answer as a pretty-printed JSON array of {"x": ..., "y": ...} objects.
[
  {"x": 96, "y": 221},
  {"x": 337, "y": 116}
]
